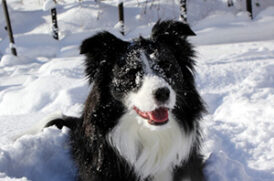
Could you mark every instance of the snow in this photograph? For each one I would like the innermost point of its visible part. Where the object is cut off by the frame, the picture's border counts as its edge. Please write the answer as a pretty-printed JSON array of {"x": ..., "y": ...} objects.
[
  {"x": 236, "y": 81},
  {"x": 44, "y": 157},
  {"x": 235, "y": 76},
  {"x": 11, "y": 60},
  {"x": 49, "y": 4},
  {"x": 225, "y": 27}
]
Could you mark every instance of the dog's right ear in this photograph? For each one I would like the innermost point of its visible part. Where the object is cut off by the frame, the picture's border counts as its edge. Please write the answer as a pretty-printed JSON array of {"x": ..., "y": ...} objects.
[
  {"x": 102, "y": 51},
  {"x": 171, "y": 29},
  {"x": 174, "y": 34}
]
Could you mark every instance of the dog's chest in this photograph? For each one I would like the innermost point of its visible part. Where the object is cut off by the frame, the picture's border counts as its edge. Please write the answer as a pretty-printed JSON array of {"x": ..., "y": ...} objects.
[
  {"x": 163, "y": 176},
  {"x": 152, "y": 151}
]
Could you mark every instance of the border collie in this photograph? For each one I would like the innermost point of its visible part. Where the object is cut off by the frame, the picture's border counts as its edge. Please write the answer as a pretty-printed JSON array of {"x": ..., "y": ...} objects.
[{"x": 141, "y": 118}]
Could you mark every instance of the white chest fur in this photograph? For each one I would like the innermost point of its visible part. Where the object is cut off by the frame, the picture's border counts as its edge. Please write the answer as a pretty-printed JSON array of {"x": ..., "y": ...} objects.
[{"x": 151, "y": 150}]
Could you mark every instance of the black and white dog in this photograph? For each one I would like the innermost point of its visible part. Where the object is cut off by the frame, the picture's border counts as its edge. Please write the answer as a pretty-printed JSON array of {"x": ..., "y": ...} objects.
[{"x": 141, "y": 119}]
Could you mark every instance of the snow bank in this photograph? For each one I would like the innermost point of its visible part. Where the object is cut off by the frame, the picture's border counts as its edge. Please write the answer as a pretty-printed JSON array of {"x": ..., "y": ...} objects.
[
  {"x": 236, "y": 81},
  {"x": 221, "y": 168},
  {"x": 41, "y": 157},
  {"x": 49, "y": 4},
  {"x": 33, "y": 45},
  {"x": 4, "y": 177},
  {"x": 39, "y": 92},
  {"x": 10, "y": 60},
  {"x": 225, "y": 27}
]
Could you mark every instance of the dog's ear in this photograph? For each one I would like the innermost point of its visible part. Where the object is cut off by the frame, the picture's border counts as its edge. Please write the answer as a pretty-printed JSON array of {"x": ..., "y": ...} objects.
[
  {"x": 173, "y": 34},
  {"x": 172, "y": 29},
  {"x": 101, "y": 51}
]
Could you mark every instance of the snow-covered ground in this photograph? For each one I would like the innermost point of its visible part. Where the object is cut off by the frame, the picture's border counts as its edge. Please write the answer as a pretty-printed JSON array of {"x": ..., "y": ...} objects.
[
  {"x": 235, "y": 76},
  {"x": 237, "y": 83}
]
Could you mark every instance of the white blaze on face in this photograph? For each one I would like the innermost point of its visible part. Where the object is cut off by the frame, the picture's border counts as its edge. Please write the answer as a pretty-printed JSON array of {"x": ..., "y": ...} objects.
[{"x": 143, "y": 99}]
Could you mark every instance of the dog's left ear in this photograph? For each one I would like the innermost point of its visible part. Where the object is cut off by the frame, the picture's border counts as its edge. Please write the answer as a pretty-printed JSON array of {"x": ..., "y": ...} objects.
[
  {"x": 102, "y": 51},
  {"x": 173, "y": 34}
]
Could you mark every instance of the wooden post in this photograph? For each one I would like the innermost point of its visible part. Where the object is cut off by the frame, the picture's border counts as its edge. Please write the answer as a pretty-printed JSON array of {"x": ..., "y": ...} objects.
[
  {"x": 9, "y": 29},
  {"x": 183, "y": 10},
  {"x": 121, "y": 18},
  {"x": 249, "y": 8},
  {"x": 230, "y": 3},
  {"x": 54, "y": 24}
]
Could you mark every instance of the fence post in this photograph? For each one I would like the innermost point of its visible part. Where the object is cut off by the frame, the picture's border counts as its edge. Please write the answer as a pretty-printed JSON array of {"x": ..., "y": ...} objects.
[
  {"x": 183, "y": 10},
  {"x": 249, "y": 8},
  {"x": 230, "y": 3},
  {"x": 121, "y": 17},
  {"x": 54, "y": 23},
  {"x": 9, "y": 29}
]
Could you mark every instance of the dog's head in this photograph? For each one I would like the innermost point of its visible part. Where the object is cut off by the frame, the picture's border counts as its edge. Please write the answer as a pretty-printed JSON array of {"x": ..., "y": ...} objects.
[{"x": 151, "y": 76}]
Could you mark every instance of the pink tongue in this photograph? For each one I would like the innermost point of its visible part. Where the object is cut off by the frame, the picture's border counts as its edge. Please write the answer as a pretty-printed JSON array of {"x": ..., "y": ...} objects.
[{"x": 159, "y": 115}]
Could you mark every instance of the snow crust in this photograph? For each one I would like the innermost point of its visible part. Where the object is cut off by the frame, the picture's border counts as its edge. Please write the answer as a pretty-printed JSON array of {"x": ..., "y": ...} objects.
[{"x": 235, "y": 76}]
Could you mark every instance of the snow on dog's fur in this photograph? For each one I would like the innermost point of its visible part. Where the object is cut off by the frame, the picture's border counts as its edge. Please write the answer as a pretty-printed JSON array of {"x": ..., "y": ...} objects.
[{"x": 141, "y": 119}]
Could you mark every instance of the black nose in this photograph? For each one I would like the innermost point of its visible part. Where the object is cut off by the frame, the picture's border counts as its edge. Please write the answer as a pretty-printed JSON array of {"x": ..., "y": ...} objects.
[{"x": 162, "y": 94}]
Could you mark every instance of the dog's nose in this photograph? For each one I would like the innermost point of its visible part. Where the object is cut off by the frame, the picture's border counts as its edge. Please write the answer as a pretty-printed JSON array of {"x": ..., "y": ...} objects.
[{"x": 162, "y": 94}]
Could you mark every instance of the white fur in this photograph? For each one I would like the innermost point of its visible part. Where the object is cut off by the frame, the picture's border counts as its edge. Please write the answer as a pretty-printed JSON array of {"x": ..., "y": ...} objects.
[
  {"x": 163, "y": 176},
  {"x": 146, "y": 63},
  {"x": 186, "y": 179},
  {"x": 150, "y": 149},
  {"x": 144, "y": 98}
]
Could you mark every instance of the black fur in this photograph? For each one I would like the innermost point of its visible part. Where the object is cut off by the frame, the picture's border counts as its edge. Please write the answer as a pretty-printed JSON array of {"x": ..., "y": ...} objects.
[{"x": 112, "y": 67}]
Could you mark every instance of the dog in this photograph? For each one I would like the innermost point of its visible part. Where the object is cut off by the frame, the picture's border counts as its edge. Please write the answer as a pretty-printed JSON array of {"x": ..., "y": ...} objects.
[{"x": 141, "y": 120}]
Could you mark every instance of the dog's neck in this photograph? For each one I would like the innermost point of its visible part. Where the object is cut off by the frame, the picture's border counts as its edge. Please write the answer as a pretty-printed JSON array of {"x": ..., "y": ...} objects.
[{"x": 151, "y": 150}]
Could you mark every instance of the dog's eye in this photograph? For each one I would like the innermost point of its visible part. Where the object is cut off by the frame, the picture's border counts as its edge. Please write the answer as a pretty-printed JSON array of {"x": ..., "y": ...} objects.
[
  {"x": 131, "y": 70},
  {"x": 131, "y": 73},
  {"x": 165, "y": 64}
]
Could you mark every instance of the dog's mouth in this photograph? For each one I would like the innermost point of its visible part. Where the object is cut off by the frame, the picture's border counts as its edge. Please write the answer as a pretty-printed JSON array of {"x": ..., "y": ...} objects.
[{"x": 158, "y": 116}]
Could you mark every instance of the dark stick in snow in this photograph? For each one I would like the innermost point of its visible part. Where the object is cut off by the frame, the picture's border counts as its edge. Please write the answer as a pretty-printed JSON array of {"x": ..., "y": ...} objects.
[
  {"x": 230, "y": 3},
  {"x": 249, "y": 8},
  {"x": 183, "y": 10},
  {"x": 54, "y": 24},
  {"x": 9, "y": 29},
  {"x": 121, "y": 18}
]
